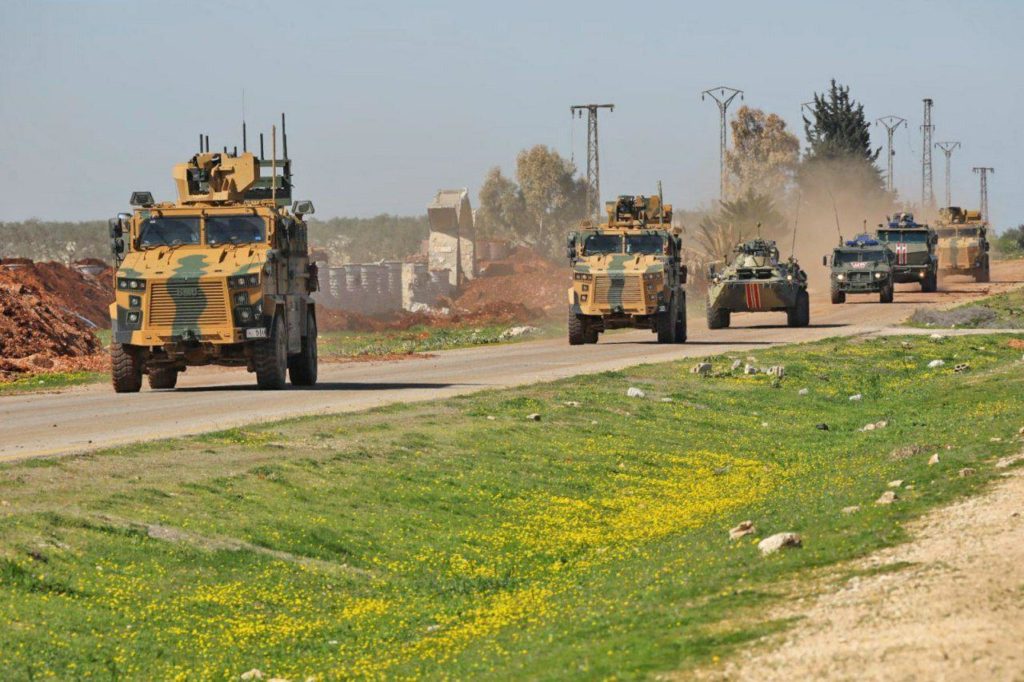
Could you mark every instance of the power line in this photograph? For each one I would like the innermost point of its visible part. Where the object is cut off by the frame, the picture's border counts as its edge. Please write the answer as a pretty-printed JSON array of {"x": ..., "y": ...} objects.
[
  {"x": 983, "y": 171},
  {"x": 927, "y": 186},
  {"x": 947, "y": 148},
  {"x": 891, "y": 123},
  {"x": 723, "y": 96},
  {"x": 593, "y": 155}
]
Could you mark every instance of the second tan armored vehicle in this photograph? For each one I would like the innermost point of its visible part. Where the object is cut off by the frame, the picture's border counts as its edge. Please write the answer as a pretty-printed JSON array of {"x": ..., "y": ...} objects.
[
  {"x": 220, "y": 276},
  {"x": 628, "y": 273},
  {"x": 963, "y": 243}
]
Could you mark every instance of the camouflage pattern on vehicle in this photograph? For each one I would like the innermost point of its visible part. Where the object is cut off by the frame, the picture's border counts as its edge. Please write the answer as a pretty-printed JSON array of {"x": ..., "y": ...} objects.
[
  {"x": 757, "y": 282},
  {"x": 220, "y": 276},
  {"x": 914, "y": 246},
  {"x": 628, "y": 273},
  {"x": 862, "y": 265},
  {"x": 963, "y": 243}
]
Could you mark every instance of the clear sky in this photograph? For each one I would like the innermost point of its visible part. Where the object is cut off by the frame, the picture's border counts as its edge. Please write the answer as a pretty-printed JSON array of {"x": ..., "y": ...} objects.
[{"x": 389, "y": 101}]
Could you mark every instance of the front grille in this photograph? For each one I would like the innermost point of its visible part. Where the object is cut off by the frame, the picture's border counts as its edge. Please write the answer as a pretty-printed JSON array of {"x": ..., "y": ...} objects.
[
  {"x": 187, "y": 303},
  {"x": 860, "y": 276},
  {"x": 618, "y": 291}
]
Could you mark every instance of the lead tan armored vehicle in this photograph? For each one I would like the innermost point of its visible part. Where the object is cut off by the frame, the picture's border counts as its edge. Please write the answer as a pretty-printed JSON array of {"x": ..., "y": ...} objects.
[
  {"x": 963, "y": 243},
  {"x": 628, "y": 273},
  {"x": 220, "y": 276}
]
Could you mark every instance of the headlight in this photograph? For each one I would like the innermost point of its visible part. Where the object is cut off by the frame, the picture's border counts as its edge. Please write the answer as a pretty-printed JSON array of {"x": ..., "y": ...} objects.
[
  {"x": 243, "y": 313},
  {"x": 134, "y": 301},
  {"x": 789, "y": 278},
  {"x": 240, "y": 281},
  {"x": 134, "y": 318},
  {"x": 878, "y": 275},
  {"x": 241, "y": 298},
  {"x": 840, "y": 277},
  {"x": 127, "y": 283},
  {"x": 582, "y": 276},
  {"x": 921, "y": 274}
]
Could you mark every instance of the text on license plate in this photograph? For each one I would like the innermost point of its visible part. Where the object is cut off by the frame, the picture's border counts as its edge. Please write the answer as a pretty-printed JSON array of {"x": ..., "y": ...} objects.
[{"x": 256, "y": 333}]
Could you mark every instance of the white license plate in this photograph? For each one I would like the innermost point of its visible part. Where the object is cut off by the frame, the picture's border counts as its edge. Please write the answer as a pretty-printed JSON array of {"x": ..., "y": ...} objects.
[{"x": 256, "y": 333}]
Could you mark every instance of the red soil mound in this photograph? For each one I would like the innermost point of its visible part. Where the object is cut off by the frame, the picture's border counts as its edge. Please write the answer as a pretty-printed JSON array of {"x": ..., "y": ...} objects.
[{"x": 526, "y": 279}]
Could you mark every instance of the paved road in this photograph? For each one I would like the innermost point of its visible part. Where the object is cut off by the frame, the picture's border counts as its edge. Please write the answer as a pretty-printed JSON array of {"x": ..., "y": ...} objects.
[{"x": 93, "y": 417}]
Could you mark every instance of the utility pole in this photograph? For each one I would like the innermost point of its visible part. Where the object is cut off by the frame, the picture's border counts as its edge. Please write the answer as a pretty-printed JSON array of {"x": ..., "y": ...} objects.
[
  {"x": 891, "y": 123},
  {"x": 927, "y": 187},
  {"x": 723, "y": 96},
  {"x": 983, "y": 171},
  {"x": 593, "y": 157},
  {"x": 948, "y": 148}
]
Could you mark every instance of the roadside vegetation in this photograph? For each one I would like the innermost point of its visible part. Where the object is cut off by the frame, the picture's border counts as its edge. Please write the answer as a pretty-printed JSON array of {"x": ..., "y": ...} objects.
[
  {"x": 1002, "y": 311},
  {"x": 426, "y": 339},
  {"x": 462, "y": 539}
]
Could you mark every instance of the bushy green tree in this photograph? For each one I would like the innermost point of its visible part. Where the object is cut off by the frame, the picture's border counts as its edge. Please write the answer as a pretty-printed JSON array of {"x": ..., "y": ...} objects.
[
  {"x": 764, "y": 155},
  {"x": 502, "y": 209},
  {"x": 737, "y": 220}
]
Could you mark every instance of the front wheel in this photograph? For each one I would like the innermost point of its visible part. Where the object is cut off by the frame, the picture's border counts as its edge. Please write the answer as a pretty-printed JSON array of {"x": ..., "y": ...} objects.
[
  {"x": 718, "y": 318},
  {"x": 800, "y": 314},
  {"x": 125, "y": 369},
  {"x": 577, "y": 329},
  {"x": 885, "y": 294},
  {"x": 838, "y": 295},
  {"x": 666, "y": 324},
  {"x": 270, "y": 358},
  {"x": 983, "y": 274},
  {"x": 303, "y": 367},
  {"x": 930, "y": 282},
  {"x": 681, "y": 319}
]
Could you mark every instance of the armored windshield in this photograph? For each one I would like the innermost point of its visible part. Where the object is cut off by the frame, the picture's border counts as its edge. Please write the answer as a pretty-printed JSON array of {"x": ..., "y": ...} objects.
[
  {"x": 235, "y": 229},
  {"x": 647, "y": 244},
  {"x": 602, "y": 244},
  {"x": 904, "y": 237},
  {"x": 168, "y": 231},
  {"x": 845, "y": 257}
]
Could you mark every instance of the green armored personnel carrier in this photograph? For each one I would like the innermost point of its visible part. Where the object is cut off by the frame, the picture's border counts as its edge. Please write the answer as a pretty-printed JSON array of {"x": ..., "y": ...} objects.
[
  {"x": 755, "y": 282},
  {"x": 914, "y": 246},
  {"x": 628, "y": 273},
  {"x": 862, "y": 265},
  {"x": 221, "y": 276}
]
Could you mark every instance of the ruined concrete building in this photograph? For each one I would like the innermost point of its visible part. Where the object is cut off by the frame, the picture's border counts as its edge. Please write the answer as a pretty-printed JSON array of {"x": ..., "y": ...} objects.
[{"x": 450, "y": 246}]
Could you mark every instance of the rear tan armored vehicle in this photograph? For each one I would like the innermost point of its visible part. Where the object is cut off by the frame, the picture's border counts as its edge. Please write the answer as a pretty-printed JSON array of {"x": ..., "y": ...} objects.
[
  {"x": 221, "y": 276},
  {"x": 628, "y": 273},
  {"x": 963, "y": 243}
]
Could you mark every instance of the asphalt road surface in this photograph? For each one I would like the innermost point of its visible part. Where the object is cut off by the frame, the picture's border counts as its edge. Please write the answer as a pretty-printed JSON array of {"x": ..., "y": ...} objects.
[{"x": 93, "y": 417}]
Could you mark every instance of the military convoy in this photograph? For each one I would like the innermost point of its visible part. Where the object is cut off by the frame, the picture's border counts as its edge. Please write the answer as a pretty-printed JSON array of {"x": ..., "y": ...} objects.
[
  {"x": 220, "y": 276},
  {"x": 914, "y": 246},
  {"x": 963, "y": 243},
  {"x": 628, "y": 272},
  {"x": 862, "y": 265},
  {"x": 758, "y": 281}
]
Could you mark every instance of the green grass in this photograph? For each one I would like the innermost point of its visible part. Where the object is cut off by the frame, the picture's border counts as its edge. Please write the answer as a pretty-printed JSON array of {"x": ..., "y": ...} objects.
[
  {"x": 430, "y": 540},
  {"x": 1001, "y": 311},
  {"x": 423, "y": 339},
  {"x": 51, "y": 381}
]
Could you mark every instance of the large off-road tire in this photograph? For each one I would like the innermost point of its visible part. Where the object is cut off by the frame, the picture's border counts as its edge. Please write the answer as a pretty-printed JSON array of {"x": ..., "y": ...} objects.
[
  {"x": 577, "y": 329},
  {"x": 666, "y": 324},
  {"x": 590, "y": 332},
  {"x": 681, "y": 319},
  {"x": 800, "y": 314},
  {"x": 838, "y": 295},
  {"x": 930, "y": 282},
  {"x": 163, "y": 377},
  {"x": 302, "y": 368},
  {"x": 125, "y": 369},
  {"x": 886, "y": 293},
  {"x": 983, "y": 274},
  {"x": 270, "y": 358},
  {"x": 718, "y": 318}
]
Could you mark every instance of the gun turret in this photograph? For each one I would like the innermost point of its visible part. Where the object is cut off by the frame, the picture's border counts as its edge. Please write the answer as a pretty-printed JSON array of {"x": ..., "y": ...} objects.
[{"x": 216, "y": 177}]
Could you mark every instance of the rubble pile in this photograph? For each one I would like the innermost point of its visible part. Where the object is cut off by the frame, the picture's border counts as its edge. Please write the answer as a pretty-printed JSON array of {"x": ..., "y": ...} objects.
[{"x": 525, "y": 278}]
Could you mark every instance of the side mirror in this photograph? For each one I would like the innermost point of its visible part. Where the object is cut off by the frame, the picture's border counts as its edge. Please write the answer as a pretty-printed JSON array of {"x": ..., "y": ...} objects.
[
  {"x": 273, "y": 255},
  {"x": 284, "y": 234},
  {"x": 824, "y": 260},
  {"x": 114, "y": 225},
  {"x": 683, "y": 274},
  {"x": 711, "y": 272},
  {"x": 117, "y": 247},
  {"x": 301, "y": 208}
]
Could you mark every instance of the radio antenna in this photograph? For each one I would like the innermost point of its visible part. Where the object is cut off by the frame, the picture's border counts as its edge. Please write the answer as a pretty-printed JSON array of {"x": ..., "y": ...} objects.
[
  {"x": 661, "y": 205},
  {"x": 273, "y": 164},
  {"x": 835, "y": 212},
  {"x": 245, "y": 147},
  {"x": 796, "y": 225}
]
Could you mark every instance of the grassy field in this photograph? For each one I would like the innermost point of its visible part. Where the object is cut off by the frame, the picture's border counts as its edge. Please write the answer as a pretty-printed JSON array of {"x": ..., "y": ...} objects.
[
  {"x": 51, "y": 381},
  {"x": 1001, "y": 311},
  {"x": 424, "y": 339},
  {"x": 459, "y": 539}
]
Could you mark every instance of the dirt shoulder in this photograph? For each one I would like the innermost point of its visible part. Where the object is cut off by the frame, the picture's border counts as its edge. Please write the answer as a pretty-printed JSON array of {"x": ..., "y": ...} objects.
[{"x": 949, "y": 605}]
